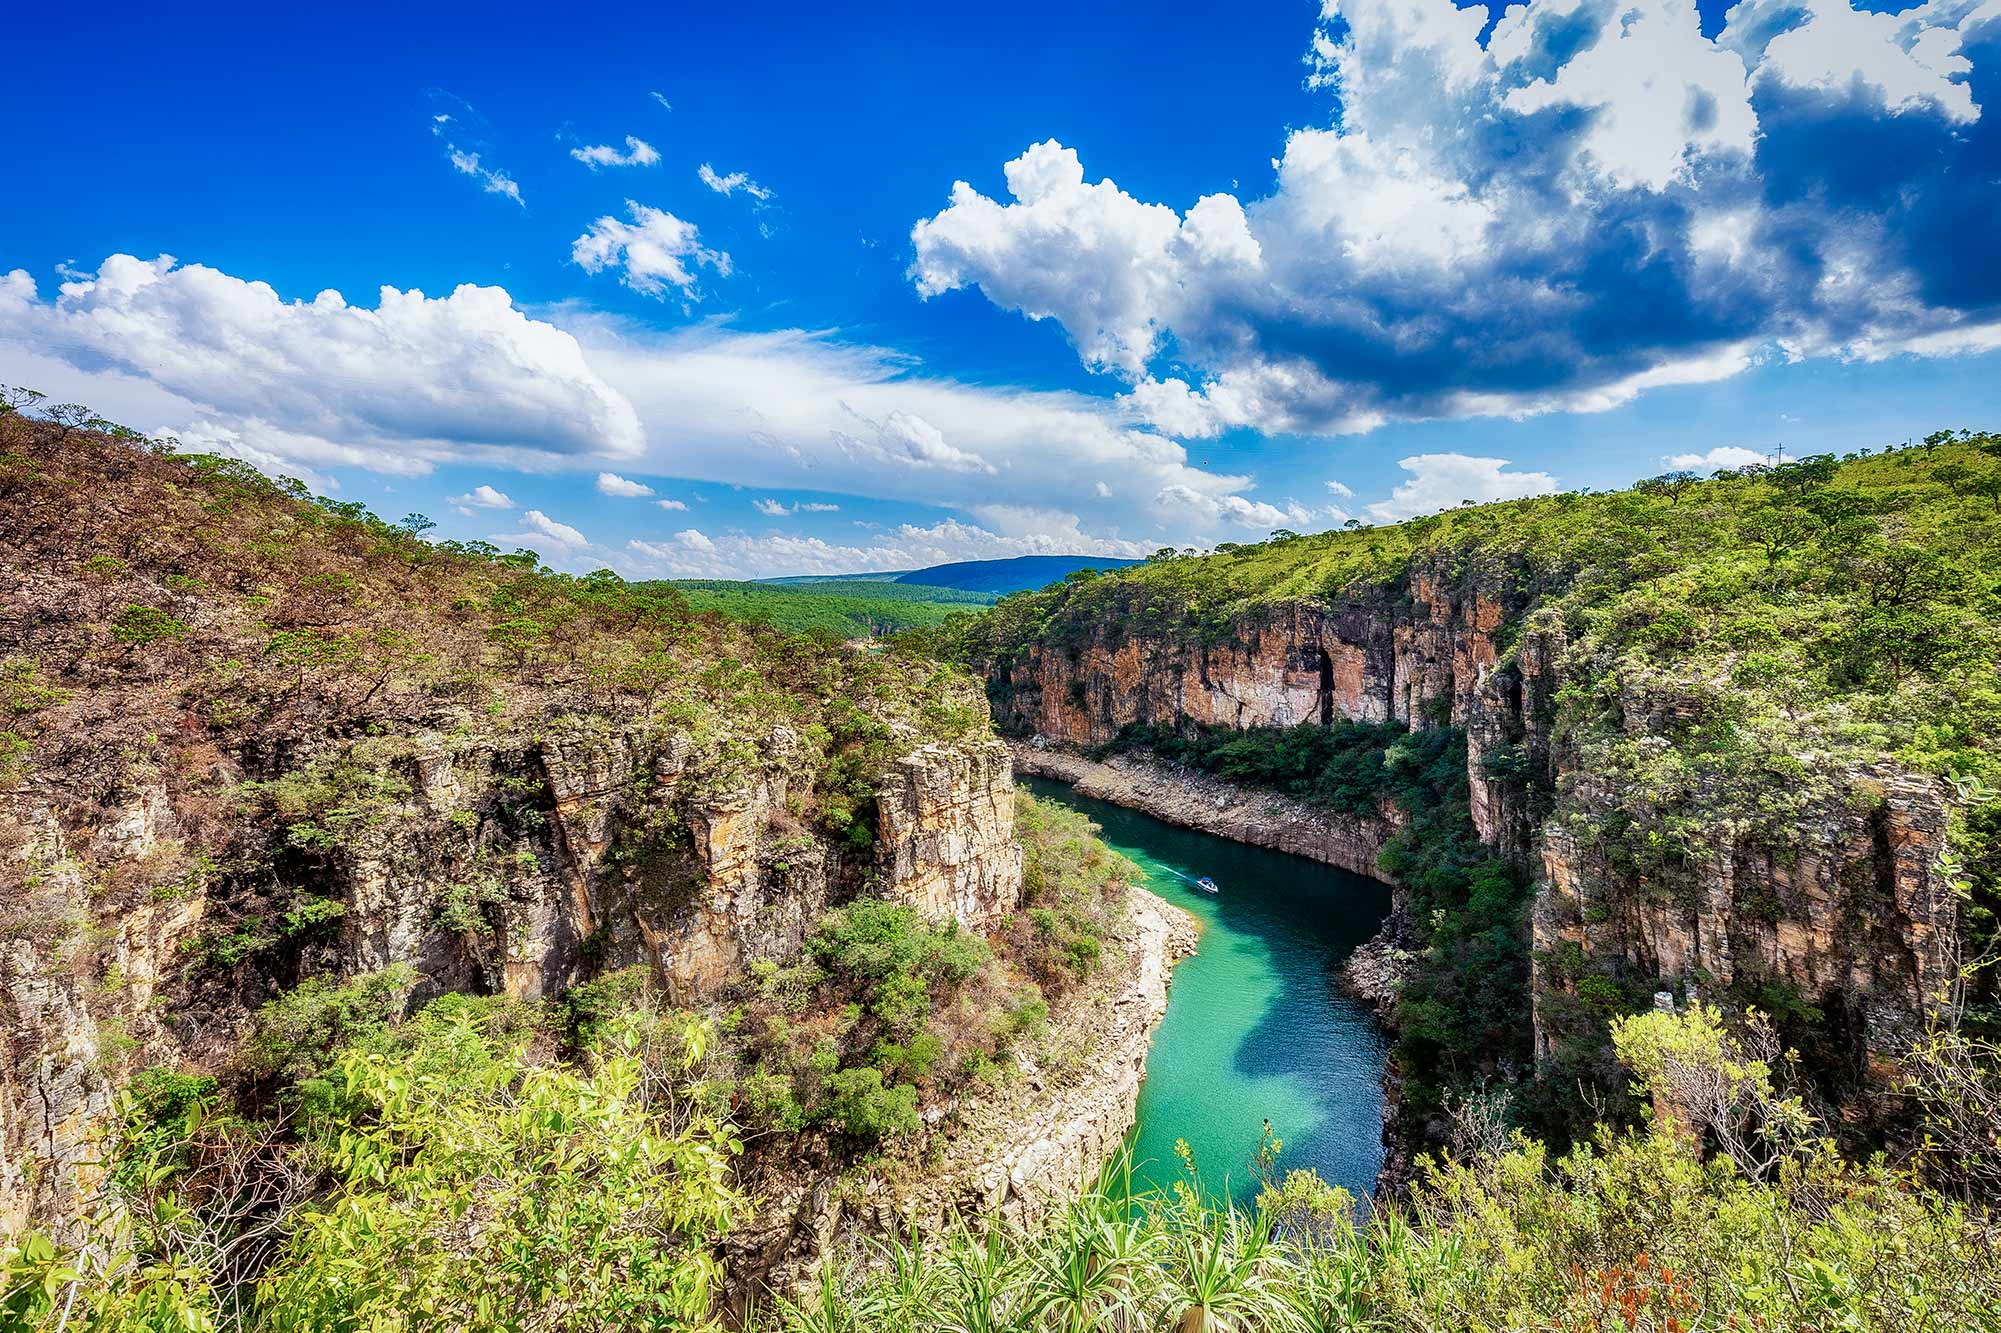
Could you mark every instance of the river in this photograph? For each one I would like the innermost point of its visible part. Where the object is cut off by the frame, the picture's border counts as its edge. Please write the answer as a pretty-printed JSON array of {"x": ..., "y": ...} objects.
[{"x": 1257, "y": 1026}]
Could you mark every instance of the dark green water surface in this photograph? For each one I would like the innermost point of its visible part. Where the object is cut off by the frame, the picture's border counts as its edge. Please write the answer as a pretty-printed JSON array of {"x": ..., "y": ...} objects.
[{"x": 1257, "y": 1027}]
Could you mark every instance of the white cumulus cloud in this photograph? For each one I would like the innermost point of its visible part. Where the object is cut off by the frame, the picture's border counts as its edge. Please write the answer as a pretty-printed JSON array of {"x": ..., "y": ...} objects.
[
  {"x": 396, "y": 387},
  {"x": 465, "y": 377},
  {"x": 1595, "y": 201},
  {"x": 652, "y": 252},
  {"x": 610, "y": 483},
  {"x": 541, "y": 528},
  {"x": 1722, "y": 456},
  {"x": 483, "y": 497},
  {"x": 1442, "y": 481}
]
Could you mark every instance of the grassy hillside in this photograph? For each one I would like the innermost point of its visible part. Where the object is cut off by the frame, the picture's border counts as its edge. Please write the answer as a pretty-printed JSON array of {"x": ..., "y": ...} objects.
[
  {"x": 166, "y": 610},
  {"x": 846, "y": 609}
]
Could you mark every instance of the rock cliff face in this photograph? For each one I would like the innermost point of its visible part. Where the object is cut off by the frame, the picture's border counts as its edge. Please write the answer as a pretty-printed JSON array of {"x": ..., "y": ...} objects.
[
  {"x": 1851, "y": 912},
  {"x": 1857, "y": 918},
  {"x": 946, "y": 833},
  {"x": 577, "y": 851}
]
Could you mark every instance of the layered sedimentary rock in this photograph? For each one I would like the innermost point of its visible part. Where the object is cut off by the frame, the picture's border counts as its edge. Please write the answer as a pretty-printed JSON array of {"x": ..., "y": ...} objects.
[
  {"x": 946, "y": 833},
  {"x": 1849, "y": 911},
  {"x": 516, "y": 865},
  {"x": 58, "y": 1036},
  {"x": 1854, "y": 914}
]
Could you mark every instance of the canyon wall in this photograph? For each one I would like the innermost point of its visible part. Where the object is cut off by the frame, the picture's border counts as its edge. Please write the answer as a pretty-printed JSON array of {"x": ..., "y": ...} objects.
[
  {"x": 568, "y": 853},
  {"x": 1423, "y": 655},
  {"x": 1848, "y": 909}
]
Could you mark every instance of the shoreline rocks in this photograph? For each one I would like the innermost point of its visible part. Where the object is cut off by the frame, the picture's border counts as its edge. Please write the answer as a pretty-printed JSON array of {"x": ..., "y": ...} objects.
[
  {"x": 1029, "y": 1144},
  {"x": 1211, "y": 805}
]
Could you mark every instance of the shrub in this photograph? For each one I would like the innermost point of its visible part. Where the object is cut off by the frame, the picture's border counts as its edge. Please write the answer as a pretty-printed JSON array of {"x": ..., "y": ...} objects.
[
  {"x": 297, "y": 1034},
  {"x": 860, "y": 1104},
  {"x": 138, "y": 625}
]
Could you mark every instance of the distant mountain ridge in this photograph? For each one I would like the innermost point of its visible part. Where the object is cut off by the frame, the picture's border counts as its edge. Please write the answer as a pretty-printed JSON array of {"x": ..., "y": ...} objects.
[
  {"x": 799, "y": 580},
  {"x": 1019, "y": 573}
]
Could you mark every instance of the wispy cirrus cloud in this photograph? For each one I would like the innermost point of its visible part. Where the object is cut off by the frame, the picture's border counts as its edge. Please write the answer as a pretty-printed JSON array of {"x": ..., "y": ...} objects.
[
  {"x": 637, "y": 153},
  {"x": 491, "y": 179},
  {"x": 732, "y": 183}
]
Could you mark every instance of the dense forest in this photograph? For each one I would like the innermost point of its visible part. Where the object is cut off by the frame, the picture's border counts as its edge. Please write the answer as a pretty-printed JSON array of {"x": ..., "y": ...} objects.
[{"x": 845, "y": 608}]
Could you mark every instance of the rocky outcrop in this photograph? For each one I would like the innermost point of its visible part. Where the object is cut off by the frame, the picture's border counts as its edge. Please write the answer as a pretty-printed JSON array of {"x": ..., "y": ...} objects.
[
  {"x": 1375, "y": 973},
  {"x": 1242, "y": 814},
  {"x": 510, "y": 864},
  {"x": 1009, "y": 1152},
  {"x": 63, "y": 1030},
  {"x": 1422, "y": 653},
  {"x": 1855, "y": 916},
  {"x": 946, "y": 833},
  {"x": 1845, "y": 905},
  {"x": 1414, "y": 655}
]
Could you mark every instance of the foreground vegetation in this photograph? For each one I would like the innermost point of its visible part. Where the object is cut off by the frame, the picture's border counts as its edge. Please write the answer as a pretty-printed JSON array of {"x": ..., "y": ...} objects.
[
  {"x": 498, "y": 1163},
  {"x": 453, "y": 1175},
  {"x": 845, "y": 609}
]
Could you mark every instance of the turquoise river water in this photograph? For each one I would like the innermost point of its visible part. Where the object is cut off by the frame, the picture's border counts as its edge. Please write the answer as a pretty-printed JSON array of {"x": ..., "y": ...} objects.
[{"x": 1257, "y": 1026}]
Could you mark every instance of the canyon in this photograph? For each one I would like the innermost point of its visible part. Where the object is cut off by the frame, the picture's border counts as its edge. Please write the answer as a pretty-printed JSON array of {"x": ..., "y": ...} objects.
[{"x": 1845, "y": 904}]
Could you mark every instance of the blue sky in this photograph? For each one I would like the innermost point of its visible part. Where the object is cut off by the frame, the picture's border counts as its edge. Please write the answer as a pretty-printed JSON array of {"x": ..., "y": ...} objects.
[{"x": 1201, "y": 279}]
